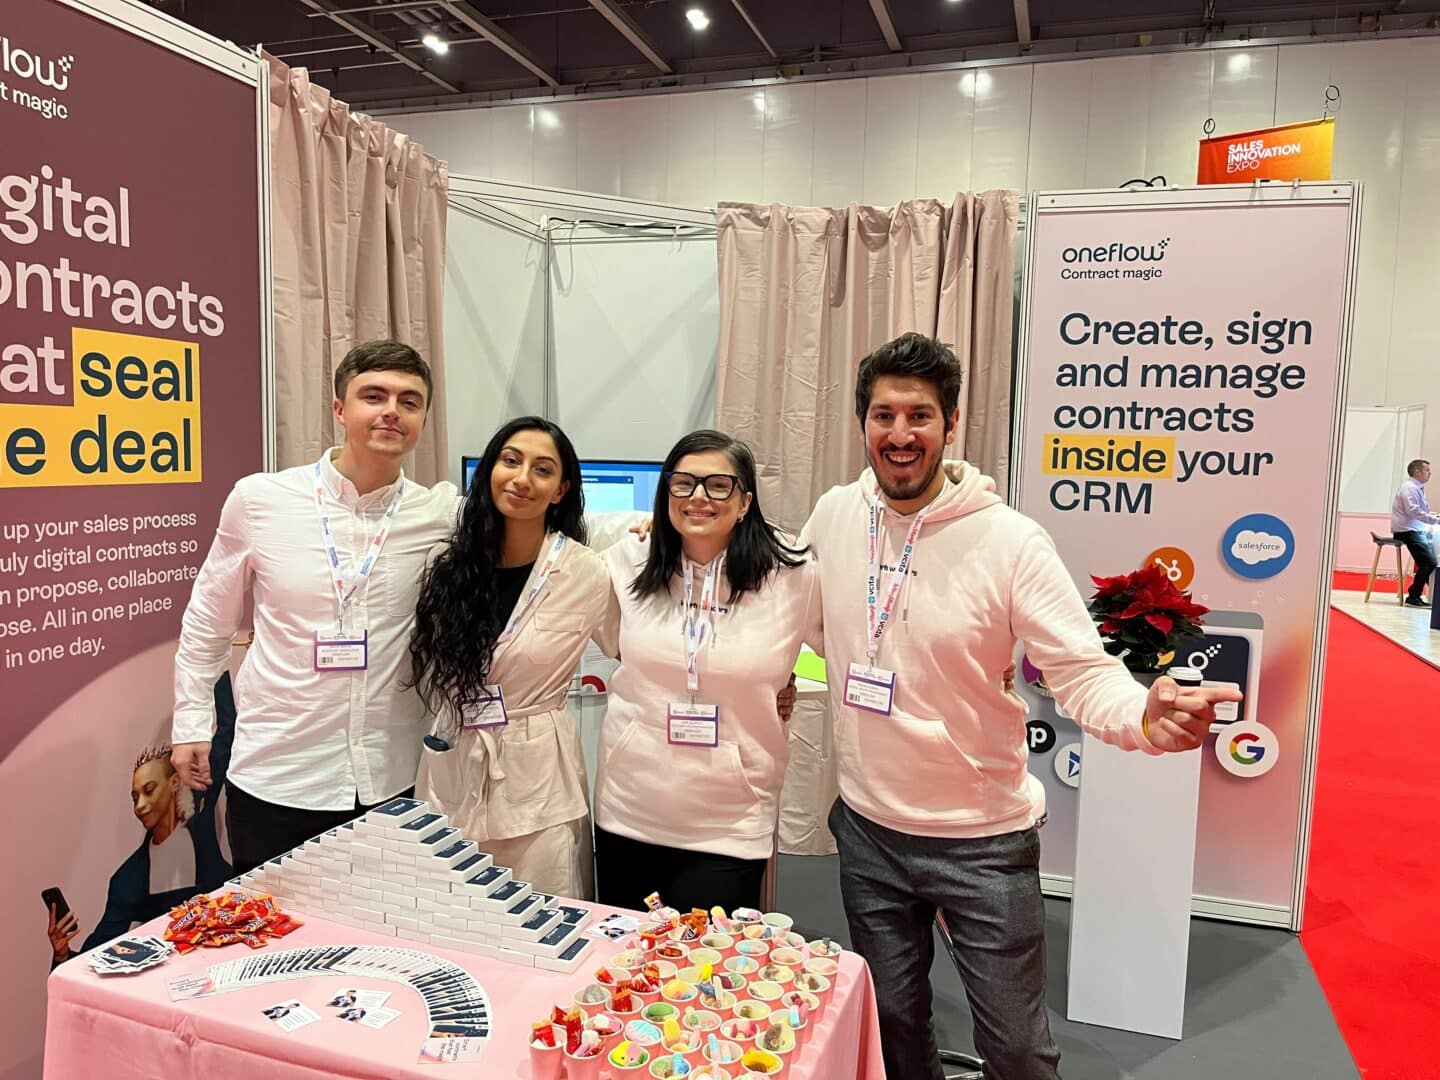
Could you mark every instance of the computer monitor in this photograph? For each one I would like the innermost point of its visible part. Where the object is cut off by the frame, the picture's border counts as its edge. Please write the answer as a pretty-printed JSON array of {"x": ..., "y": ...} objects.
[
  {"x": 619, "y": 485},
  {"x": 468, "y": 465}
]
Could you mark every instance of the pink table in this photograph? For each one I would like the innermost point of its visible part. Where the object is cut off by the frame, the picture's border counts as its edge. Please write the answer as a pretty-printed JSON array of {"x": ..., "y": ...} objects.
[{"x": 124, "y": 1027}]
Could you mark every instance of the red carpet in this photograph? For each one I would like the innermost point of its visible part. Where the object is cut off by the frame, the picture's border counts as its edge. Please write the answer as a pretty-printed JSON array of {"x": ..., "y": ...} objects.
[
  {"x": 1373, "y": 896},
  {"x": 1345, "y": 579}
]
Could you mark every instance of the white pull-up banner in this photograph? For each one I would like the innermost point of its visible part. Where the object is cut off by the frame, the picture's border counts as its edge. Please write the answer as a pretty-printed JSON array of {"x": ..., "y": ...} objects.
[{"x": 1181, "y": 390}]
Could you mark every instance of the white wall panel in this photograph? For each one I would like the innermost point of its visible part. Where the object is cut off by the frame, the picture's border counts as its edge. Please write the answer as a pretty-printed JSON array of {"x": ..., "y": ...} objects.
[
  {"x": 892, "y": 117},
  {"x": 739, "y": 145},
  {"x": 691, "y": 179},
  {"x": 946, "y": 129},
  {"x": 789, "y": 147},
  {"x": 602, "y": 144},
  {"x": 1119, "y": 120},
  {"x": 1243, "y": 98},
  {"x": 512, "y": 155},
  {"x": 1002, "y": 126},
  {"x": 1179, "y": 104},
  {"x": 838, "y": 154},
  {"x": 645, "y": 154},
  {"x": 557, "y": 145},
  {"x": 1411, "y": 376},
  {"x": 471, "y": 141},
  {"x": 1059, "y": 124}
]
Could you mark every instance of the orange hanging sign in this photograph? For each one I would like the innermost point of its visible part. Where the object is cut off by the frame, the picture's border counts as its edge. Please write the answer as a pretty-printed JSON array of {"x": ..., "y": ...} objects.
[{"x": 1293, "y": 152}]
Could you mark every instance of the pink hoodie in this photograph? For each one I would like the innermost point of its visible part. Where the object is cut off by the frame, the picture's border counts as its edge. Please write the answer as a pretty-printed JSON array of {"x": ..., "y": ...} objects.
[{"x": 951, "y": 759}]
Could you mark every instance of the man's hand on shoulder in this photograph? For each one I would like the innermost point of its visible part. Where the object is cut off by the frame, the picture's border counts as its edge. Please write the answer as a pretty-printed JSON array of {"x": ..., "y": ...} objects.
[{"x": 192, "y": 764}]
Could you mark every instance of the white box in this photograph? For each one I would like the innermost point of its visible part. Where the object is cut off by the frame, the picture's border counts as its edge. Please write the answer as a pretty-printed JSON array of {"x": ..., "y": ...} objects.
[
  {"x": 412, "y": 935},
  {"x": 513, "y": 957},
  {"x": 399, "y": 901},
  {"x": 401, "y": 922},
  {"x": 424, "y": 825},
  {"x": 569, "y": 960},
  {"x": 381, "y": 928},
  {"x": 536, "y": 927},
  {"x": 397, "y": 812}
]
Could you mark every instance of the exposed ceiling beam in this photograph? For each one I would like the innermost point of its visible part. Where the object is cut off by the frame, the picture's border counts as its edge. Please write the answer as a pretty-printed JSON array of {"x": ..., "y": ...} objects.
[
  {"x": 1022, "y": 22},
  {"x": 740, "y": 7},
  {"x": 881, "y": 8},
  {"x": 371, "y": 36},
  {"x": 622, "y": 21},
  {"x": 503, "y": 41}
]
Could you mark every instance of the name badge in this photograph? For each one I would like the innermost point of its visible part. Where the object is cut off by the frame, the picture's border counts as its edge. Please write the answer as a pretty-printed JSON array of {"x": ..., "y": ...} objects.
[
  {"x": 489, "y": 711},
  {"x": 693, "y": 725},
  {"x": 339, "y": 650},
  {"x": 870, "y": 688}
]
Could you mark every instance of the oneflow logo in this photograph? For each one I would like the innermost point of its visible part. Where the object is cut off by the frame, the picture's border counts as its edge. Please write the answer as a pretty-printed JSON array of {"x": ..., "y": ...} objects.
[
  {"x": 1247, "y": 749},
  {"x": 1117, "y": 252},
  {"x": 44, "y": 73}
]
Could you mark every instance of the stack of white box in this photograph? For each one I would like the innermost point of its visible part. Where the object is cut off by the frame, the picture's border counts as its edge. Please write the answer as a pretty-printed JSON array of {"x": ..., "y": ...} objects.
[{"x": 402, "y": 871}]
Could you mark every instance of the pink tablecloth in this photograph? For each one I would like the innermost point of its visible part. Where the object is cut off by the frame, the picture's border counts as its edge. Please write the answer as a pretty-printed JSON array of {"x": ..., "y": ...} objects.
[{"x": 124, "y": 1027}]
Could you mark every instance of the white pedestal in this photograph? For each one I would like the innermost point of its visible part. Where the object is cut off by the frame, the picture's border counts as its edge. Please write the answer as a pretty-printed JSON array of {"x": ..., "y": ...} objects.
[{"x": 1134, "y": 873}]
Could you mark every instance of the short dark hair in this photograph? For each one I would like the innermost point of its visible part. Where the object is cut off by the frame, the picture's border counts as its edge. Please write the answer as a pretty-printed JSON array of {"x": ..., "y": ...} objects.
[
  {"x": 916, "y": 355},
  {"x": 1413, "y": 469},
  {"x": 383, "y": 356},
  {"x": 756, "y": 548}
]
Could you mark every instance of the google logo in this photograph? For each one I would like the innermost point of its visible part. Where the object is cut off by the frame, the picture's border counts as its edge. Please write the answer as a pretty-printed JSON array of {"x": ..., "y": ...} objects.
[{"x": 1247, "y": 749}]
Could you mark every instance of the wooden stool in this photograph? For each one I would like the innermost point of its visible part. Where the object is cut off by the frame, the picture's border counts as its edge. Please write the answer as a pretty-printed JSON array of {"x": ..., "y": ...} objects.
[{"x": 1381, "y": 543}]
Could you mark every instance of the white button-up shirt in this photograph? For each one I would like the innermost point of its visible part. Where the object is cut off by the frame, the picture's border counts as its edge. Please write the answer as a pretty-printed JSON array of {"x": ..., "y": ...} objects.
[
  {"x": 1410, "y": 512},
  {"x": 305, "y": 739}
]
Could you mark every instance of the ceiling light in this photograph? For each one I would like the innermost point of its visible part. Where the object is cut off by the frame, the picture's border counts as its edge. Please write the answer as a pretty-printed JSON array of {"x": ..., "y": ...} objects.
[
  {"x": 698, "y": 19},
  {"x": 435, "y": 44}
]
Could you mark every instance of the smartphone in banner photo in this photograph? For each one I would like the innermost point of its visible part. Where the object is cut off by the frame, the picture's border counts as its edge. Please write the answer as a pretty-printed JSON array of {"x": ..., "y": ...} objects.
[
  {"x": 1228, "y": 654},
  {"x": 53, "y": 897}
]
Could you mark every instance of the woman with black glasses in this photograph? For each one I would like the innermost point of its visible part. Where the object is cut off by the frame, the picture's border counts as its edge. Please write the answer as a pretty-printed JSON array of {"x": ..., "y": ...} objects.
[{"x": 713, "y": 611}]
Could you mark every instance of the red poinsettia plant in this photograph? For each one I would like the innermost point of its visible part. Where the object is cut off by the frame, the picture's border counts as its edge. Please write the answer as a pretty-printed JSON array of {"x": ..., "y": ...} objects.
[{"x": 1143, "y": 616}]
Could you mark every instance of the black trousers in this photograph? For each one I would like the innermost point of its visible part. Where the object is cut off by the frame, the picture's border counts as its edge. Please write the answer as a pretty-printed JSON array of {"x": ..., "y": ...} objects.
[
  {"x": 627, "y": 871},
  {"x": 1424, "y": 556},
  {"x": 260, "y": 830}
]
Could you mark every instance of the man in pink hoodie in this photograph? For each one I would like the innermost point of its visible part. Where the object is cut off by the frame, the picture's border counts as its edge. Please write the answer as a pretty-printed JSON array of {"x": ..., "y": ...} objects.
[{"x": 928, "y": 582}]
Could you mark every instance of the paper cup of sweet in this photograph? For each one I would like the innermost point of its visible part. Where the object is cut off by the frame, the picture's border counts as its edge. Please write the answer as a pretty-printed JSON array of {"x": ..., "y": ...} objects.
[
  {"x": 738, "y": 1029},
  {"x": 766, "y": 991},
  {"x": 691, "y": 975},
  {"x": 754, "y": 948},
  {"x": 722, "y": 1003},
  {"x": 795, "y": 998},
  {"x": 742, "y": 965},
  {"x": 763, "y": 1062},
  {"x": 816, "y": 985},
  {"x": 778, "y": 921},
  {"x": 776, "y": 973},
  {"x": 631, "y": 960},
  {"x": 663, "y": 1067},
  {"x": 546, "y": 1062},
  {"x": 687, "y": 1044},
  {"x": 778, "y": 1039},
  {"x": 584, "y": 1063},
  {"x": 666, "y": 968},
  {"x": 751, "y": 1009},
  {"x": 727, "y": 1052},
  {"x": 592, "y": 999},
  {"x": 824, "y": 947},
  {"x": 791, "y": 940},
  {"x": 724, "y": 944},
  {"x": 712, "y": 1072},
  {"x": 673, "y": 952},
  {"x": 607, "y": 1025},
  {"x": 823, "y": 965},
  {"x": 700, "y": 956},
  {"x": 797, "y": 1020},
  {"x": 628, "y": 1059},
  {"x": 756, "y": 931},
  {"x": 642, "y": 1033},
  {"x": 678, "y": 991},
  {"x": 701, "y": 1020},
  {"x": 745, "y": 915},
  {"x": 785, "y": 955},
  {"x": 660, "y": 1011},
  {"x": 612, "y": 974}
]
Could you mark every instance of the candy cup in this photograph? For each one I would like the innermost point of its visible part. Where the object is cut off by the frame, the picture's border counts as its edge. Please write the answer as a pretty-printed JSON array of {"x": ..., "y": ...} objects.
[
  {"x": 776, "y": 973},
  {"x": 788, "y": 957},
  {"x": 642, "y": 1033},
  {"x": 723, "y": 944},
  {"x": 779, "y": 1040},
  {"x": 627, "y": 1059},
  {"x": 700, "y": 956},
  {"x": 701, "y": 1020},
  {"x": 791, "y": 940},
  {"x": 729, "y": 1052},
  {"x": 740, "y": 1030},
  {"x": 756, "y": 931},
  {"x": 763, "y": 990},
  {"x": 722, "y": 1004},
  {"x": 712, "y": 1072},
  {"x": 632, "y": 960},
  {"x": 799, "y": 1021},
  {"x": 660, "y": 1011},
  {"x": 674, "y": 952},
  {"x": 585, "y": 1063},
  {"x": 742, "y": 965},
  {"x": 827, "y": 947},
  {"x": 732, "y": 981},
  {"x": 592, "y": 999},
  {"x": 755, "y": 948},
  {"x": 777, "y": 921},
  {"x": 609, "y": 1026},
  {"x": 688, "y": 1044},
  {"x": 691, "y": 975},
  {"x": 546, "y": 1062},
  {"x": 751, "y": 1009},
  {"x": 823, "y": 965},
  {"x": 762, "y": 1062},
  {"x": 614, "y": 973},
  {"x": 818, "y": 986},
  {"x": 677, "y": 992}
]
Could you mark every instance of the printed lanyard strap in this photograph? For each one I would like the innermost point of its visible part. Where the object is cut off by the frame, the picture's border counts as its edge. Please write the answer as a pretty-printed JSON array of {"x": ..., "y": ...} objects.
[
  {"x": 343, "y": 593},
  {"x": 698, "y": 619},
  {"x": 552, "y": 559},
  {"x": 878, "y": 619}
]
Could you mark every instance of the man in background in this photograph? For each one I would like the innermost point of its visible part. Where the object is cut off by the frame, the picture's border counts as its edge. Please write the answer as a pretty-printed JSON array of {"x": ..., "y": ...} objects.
[{"x": 1412, "y": 523}]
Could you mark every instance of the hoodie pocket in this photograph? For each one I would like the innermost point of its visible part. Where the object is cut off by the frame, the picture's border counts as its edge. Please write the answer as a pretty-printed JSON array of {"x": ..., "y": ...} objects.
[
  {"x": 912, "y": 765},
  {"x": 686, "y": 789}
]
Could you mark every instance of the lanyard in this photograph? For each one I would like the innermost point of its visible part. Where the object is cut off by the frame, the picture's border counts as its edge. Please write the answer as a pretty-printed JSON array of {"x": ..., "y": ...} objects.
[
  {"x": 332, "y": 556},
  {"x": 552, "y": 559},
  {"x": 698, "y": 624},
  {"x": 878, "y": 621}
]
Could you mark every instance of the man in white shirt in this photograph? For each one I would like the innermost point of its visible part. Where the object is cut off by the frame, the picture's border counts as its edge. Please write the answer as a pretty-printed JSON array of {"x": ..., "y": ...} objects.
[
  {"x": 332, "y": 553},
  {"x": 1412, "y": 522}
]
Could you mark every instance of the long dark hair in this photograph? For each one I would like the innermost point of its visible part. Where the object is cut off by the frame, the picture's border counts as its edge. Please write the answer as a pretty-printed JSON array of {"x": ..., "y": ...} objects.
[
  {"x": 756, "y": 549},
  {"x": 458, "y": 616}
]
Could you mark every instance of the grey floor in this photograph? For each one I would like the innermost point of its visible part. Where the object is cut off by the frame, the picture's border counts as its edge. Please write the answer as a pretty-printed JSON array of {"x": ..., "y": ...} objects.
[{"x": 1253, "y": 1006}]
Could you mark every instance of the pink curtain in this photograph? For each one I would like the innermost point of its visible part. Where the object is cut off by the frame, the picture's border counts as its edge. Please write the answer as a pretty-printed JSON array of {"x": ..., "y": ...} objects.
[
  {"x": 806, "y": 293},
  {"x": 358, "y": 226}
]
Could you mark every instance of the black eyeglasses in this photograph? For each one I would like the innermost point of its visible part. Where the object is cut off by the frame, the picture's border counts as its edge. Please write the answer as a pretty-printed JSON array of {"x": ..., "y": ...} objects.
[{"x": 718, "y": 486}]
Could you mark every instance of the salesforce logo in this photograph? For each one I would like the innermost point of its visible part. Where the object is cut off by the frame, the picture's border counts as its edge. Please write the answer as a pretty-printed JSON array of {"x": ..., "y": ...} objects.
[
  {"x": 1258, "y": 546},
  {"x": 1116, "y": 252}
]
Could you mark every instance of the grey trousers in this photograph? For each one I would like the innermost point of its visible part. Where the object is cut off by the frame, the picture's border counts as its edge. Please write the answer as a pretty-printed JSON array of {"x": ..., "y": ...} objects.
[{"x": 892, "y": 884}]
